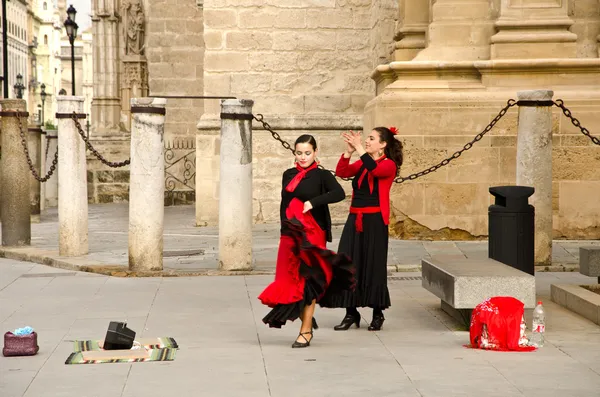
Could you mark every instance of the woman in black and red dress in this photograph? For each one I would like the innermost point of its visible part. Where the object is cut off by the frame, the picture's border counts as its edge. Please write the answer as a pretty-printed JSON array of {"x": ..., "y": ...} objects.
[
  {"x": 365, "y": 235},
  {"x": 305, "y": 268}
]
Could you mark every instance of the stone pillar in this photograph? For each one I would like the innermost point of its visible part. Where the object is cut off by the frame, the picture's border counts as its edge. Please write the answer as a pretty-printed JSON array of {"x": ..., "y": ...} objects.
[
  {"x": 530, "y": 29},
  {"x": 72, "y": 182},
  {"x": 235, "y": 192},
  {"x": 146, "y": 184},
  {"x": 460, "y": 30},
  {"x": 134, "y": 82},
  {"x": 35, "y": 154},
  {"x": 51, "y": 185},
  {"x": 106, "y": 103},
  {"x": 534, "y": 164},
  {"x": 411, "y": 35},
  {"x": 14, "y": 176}
]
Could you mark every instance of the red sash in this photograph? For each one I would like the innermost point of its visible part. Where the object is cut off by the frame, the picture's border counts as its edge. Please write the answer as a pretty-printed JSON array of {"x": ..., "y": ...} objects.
[{"x": 359, "y": 215}]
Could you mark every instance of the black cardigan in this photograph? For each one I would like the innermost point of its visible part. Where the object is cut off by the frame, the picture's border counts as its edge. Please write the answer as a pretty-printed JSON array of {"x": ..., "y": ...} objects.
[{"x": 320, "y": 188}]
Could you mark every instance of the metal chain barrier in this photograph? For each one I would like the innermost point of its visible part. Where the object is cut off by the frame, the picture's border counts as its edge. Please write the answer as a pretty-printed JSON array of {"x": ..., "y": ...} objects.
[
  {"x": 509, "y": 104},
  {"x": 285, "y": 144},
  {"x": 29, "y": 162},
  {"x": 561, "y": 104},
  {"x": 47, "y": 147},
  {"x": 275, "y": 135},
  {"x": 93, "y": 150}
]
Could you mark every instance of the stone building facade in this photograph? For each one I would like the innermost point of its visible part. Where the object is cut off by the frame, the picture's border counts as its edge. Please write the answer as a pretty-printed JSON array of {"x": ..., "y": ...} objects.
[
  {"x": 18, "y": 46},
  {"x": 48, "y": 59},
  {"x": 438, "y": 70},
  {"x": 475, "y": 55}
]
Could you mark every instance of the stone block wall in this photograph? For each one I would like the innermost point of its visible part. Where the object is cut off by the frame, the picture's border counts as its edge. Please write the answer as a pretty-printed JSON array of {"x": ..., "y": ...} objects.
[
  {"x": 292, "y": 57},
  {"x": 175, "y": 52},
  {"x": 106, "y": 184},
  {"x": 586, "y": 14},
  {"x": 384, "y": 19}
]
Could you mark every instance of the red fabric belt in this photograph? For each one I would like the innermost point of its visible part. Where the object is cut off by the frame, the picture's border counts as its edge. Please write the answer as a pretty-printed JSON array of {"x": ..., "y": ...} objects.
[{"x": 359, "y": 215}]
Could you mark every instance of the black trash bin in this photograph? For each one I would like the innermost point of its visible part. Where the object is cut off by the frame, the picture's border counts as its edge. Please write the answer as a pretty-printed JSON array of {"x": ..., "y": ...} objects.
[{"x": 511, "y": 227}]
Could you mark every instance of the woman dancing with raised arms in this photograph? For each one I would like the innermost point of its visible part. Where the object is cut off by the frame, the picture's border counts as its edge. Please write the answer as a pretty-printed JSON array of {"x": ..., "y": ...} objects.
[
  {"x": 365, "y": 235},
  {"x": 305, "y": 268}
]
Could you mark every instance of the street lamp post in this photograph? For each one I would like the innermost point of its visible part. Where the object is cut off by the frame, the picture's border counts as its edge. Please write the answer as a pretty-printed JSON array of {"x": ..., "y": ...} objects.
[
  {"x": 19, "y": 87},
  {"x": 71, "y": 28},
  {"x": 43, "y": 96}
]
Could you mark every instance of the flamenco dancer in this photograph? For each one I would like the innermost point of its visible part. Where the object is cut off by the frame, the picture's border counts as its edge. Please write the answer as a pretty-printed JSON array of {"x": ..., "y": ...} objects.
[
  {"x": 365, "y": 235},
  {"x": 305, "y": 268}
]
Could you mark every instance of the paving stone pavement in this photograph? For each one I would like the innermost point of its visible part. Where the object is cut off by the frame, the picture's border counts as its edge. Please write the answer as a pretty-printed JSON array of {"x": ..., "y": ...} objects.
[
  {"x": 190, "y": 248},
  {"x": 225, "y": 349}
]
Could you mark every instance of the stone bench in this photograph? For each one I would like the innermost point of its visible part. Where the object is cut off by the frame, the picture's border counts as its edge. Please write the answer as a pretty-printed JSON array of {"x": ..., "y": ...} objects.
[
  {"x": 589, "y": 261},
  {"x": 463, "y": 283}
]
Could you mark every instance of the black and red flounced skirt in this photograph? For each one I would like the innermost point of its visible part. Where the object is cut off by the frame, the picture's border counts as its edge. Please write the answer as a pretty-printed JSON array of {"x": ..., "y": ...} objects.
[{"x": 305, "y": 268}]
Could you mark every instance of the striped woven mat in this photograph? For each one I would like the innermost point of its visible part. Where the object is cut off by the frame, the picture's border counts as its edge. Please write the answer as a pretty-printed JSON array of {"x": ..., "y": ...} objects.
[
  {"x": 121, "y": 356},
  {"x": 148, "y": 343},
  {"x": 151, "y": 349}
]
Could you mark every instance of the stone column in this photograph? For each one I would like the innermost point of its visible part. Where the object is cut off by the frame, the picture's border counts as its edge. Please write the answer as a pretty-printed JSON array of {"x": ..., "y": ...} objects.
[
  {"x": 35, "y": 154},
  {"x": 146, "y": 184},
  {"x": 411, "y": 35},
  {"x": 534, "y": 164},
  {"x": 460, "y": 30},
  {"x": 14, "y": 176},
  {"x": 134, "y": 83},
  {"x": 51, "y": 185},
  {"x": 531, "y": 29},
  {"x": 106, "y": 103},
  {"x": 72, "y": 182},
  {"x": 235, "y": 191}
]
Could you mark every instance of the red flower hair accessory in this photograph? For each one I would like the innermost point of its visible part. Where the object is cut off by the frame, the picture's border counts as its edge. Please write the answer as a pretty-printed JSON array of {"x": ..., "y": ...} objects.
[{"x": 393, "y": 130}]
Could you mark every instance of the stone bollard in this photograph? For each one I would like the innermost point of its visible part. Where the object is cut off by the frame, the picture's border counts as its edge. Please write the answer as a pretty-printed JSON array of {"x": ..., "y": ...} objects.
[
  {"x": 35, "y": 154},
  {"x": 72, "y": 180},
  {"x": 146, "y": 184},
  {"x": 534, "y": 164},
  {"x": 51, "y": 185},
  {"x": 235, "y": 185},
  {"x": 14, "y": 175}
]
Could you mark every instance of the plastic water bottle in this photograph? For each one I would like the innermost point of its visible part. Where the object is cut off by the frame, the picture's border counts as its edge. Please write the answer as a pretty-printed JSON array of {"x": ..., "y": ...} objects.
[{"x": 538, "y": 326}]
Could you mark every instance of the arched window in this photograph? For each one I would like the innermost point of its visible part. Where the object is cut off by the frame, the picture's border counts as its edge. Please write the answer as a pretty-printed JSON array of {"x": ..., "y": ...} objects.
[
  {"x": 45, "y": 6},
  {"x": 45, "y": 39}
]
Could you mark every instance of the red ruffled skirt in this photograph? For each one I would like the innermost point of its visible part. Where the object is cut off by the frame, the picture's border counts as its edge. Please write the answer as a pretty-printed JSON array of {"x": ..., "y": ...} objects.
[{"x": 305, "y": 268}]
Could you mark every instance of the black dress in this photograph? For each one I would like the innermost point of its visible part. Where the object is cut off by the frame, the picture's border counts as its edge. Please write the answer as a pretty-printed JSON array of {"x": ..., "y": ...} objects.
[{"x": 368, "y": 251}]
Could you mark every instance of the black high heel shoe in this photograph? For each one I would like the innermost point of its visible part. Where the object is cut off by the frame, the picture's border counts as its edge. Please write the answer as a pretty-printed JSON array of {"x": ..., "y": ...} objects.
[
  {"x": 347, "y": 322},
  {"x": 376, "y": 323},
  {"x": 314, "y": 324},
  {"x": 297, "y": 344}
]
